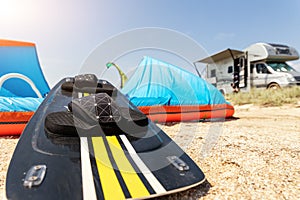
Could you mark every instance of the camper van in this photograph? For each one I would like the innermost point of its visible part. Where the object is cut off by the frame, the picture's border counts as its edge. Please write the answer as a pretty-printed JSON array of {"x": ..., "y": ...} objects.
[{"x": 261, "y": 65}]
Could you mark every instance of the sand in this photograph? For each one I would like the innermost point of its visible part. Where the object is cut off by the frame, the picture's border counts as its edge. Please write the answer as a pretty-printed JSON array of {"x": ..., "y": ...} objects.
[{"x": 256, "y": 155}]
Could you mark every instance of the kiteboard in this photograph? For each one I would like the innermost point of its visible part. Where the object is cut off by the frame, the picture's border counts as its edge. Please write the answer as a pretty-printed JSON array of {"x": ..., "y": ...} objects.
[{"x": 88, "y": 141}]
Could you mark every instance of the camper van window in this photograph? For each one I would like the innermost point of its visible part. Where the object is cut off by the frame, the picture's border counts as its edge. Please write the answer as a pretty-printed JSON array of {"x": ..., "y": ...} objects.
[
  {"x": 280, "y": 67},
  {"x": 230, "y": 69},
  {"x": 262, "y": 69},
  {"x": 213, "y": 73}
]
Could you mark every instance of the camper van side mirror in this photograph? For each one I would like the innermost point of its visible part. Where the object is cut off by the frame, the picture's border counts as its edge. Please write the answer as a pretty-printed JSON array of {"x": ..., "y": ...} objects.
[{"x": 230, "y": 69}]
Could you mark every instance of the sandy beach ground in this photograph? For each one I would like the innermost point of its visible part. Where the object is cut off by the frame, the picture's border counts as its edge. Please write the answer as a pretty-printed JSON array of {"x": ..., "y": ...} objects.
[{"x": 256, "y": 155}]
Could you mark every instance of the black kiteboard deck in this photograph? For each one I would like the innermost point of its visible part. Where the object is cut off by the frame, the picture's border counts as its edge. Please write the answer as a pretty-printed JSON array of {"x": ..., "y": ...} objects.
[{"x": 65, "y": 152}]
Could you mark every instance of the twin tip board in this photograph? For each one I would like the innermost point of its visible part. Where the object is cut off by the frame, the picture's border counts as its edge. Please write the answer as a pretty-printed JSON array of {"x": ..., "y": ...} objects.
[{"x": 87, "y": 141}]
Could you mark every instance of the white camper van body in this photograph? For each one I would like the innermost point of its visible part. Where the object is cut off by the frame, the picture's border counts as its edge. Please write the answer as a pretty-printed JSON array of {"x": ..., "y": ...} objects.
[{"x": 261, "y": 65}]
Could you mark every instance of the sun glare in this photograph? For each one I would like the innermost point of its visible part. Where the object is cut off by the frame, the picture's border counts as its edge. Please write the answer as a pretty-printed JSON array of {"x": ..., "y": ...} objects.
[
  {"x": 8, "y": 9},
  {"x": 16, "y": 12}
]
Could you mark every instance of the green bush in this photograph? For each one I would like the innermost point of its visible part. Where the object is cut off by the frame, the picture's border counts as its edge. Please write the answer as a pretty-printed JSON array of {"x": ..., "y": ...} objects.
[{"x": 265, "y": 97}]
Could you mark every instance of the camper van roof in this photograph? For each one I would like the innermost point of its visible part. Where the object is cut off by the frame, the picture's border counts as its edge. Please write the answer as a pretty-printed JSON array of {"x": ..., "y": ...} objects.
[
  {"x": 228, "y": 53},
  {"x": 278, "y": 45},
  {"x": 272, "y": 52}
]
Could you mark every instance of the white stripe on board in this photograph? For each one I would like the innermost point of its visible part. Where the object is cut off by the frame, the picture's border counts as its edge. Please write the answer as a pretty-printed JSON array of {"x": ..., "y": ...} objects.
[
  {"x": 88, "y": 187},
  {"x": 155, "y": 184}
]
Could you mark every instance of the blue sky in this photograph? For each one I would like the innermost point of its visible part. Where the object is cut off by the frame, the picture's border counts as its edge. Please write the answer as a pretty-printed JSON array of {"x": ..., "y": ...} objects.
[{"x": 67, "y": 31}]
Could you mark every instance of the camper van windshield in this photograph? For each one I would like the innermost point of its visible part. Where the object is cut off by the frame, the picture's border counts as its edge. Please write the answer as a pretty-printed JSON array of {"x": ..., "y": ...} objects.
[{"x": 280, "y": 67}]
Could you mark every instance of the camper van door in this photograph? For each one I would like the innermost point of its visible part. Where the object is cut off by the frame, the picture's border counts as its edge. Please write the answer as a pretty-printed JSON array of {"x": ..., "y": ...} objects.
[
  {"x": 259, "y": 75},
  {"x": 242, "y": 73}
]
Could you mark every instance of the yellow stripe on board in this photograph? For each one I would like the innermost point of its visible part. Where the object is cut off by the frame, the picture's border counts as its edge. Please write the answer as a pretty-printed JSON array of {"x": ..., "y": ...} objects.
[
  {"x": 133, "y": 182},
  {"x": 110, "y": 184}
]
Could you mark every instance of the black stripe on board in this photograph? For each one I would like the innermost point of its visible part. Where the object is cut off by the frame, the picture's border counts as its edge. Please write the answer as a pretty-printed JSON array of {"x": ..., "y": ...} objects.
[
  {"x": 98, "y": 186},
  {"x": 135, "y": 167},
  {"x": 116, "y": 169}
]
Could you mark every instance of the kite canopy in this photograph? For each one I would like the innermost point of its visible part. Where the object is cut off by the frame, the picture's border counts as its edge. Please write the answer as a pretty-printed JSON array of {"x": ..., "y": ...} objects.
[
  {"x": 158, "y": 84},
  {"x": 20, "y": 71},
  {"x": 22, "y": 85}
]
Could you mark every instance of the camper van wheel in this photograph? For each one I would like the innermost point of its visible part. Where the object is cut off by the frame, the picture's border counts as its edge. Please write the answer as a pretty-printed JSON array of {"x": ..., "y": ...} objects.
[{"x": 274, "y": 86}]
